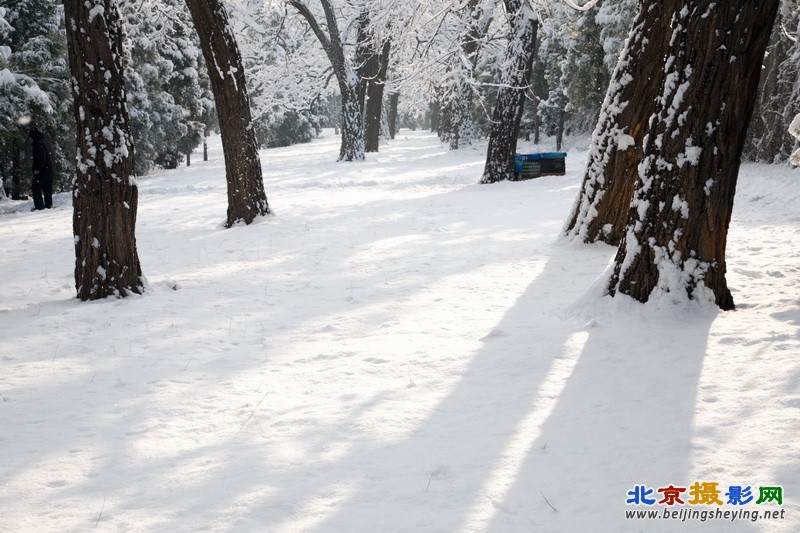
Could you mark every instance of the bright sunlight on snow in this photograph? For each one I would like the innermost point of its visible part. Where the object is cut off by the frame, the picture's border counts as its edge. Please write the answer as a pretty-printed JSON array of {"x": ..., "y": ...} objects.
[{"x": 396, "y": 349}]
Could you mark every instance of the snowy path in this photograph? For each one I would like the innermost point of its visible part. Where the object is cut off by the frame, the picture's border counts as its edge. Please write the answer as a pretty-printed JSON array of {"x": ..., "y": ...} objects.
[{"x": 396, "y": 349}]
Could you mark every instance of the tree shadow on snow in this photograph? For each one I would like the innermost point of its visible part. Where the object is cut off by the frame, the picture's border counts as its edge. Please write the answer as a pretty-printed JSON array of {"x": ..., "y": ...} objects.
[{"x": 551, "y": 409}]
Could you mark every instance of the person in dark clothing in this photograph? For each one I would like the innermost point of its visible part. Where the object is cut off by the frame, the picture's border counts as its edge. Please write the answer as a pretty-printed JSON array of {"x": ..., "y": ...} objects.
[{"x": 42, "y": 180}]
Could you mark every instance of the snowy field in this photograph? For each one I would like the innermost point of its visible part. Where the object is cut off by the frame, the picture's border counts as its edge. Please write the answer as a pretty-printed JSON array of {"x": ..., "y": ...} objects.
[{"x": 396, "y": 349}]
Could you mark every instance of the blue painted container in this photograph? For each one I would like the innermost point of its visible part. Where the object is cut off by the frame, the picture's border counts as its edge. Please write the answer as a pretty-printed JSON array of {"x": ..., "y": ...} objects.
[{"x": 528, "y": 166}]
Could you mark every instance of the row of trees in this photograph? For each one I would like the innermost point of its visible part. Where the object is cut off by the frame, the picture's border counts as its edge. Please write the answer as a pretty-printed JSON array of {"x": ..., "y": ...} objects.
[{"x": 684, "y": 137}]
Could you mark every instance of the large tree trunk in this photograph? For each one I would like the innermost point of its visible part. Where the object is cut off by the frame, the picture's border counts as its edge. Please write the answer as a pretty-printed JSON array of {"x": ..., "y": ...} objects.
[
  {"x": 601, "y": 210},
  {"x": 674, "y": 245},
  {"x": 246, "y": 196},
  {"x": 508, "y": 109},
  {"x": 105, "y": 195}
]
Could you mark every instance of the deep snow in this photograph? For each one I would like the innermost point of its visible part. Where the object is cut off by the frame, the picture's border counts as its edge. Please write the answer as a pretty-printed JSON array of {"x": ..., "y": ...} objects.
[{"x": 396, "y": 349}]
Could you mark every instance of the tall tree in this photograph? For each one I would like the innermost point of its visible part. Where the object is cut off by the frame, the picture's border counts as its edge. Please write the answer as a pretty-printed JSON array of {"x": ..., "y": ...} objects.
[
  {"x": 510, "y": 103},
  {"x": 246, "y": 197},
  {"x": 601, "y": 210},
  {"x": 674, "y": 245},
  {"x": 352, "y": 148},
  {"x": 105, "y": 195},
  {"x": 372, "y": 64}
]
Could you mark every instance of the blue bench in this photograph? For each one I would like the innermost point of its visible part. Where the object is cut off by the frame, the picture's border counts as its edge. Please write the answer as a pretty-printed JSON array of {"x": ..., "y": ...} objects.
[{"x": 527, "y": 166}]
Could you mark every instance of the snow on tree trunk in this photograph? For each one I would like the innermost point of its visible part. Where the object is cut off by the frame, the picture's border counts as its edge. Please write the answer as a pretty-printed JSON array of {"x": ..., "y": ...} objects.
[
  {"x": 462, "y": 123},
  {"x": 352, "y": 148},
  {"x": 246, "y": 196},
  {"x": 601, "y": 210},
  {"x": 674, "y": 245},
  {"x": 510, "y": 103},
  {"x": 794, "y": 129},
  {"x": 105, "y": 194}
]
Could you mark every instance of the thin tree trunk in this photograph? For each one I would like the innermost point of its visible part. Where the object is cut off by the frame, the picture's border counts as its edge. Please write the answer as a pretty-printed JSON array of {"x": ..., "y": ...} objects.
[
  {"x": 674, "y": 245},
  {"x": 246, "y": 197},
  {"x": 105, "y": 196},
  {"x": 16, "y": 172},
  {"x": 374, "y": 99},
  {"x": 560, "y": 130},
  {"x": 435, "y": 112},
  {"x": 507, "y": 115},
  {"x": 188, "y": 159},
  {"x": 601, "y": 210},
  {"x": 394, "y": 100}
]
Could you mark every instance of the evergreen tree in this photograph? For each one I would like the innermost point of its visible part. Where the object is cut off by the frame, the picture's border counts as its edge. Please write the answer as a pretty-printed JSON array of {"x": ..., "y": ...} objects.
[
  {"x": 169, "y": 107},
  {"x": 34, "y": 88}
]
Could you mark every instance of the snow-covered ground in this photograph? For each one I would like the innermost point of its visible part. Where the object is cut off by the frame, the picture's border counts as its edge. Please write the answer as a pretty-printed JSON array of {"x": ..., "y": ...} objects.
[{"x": 396, "y": 349}]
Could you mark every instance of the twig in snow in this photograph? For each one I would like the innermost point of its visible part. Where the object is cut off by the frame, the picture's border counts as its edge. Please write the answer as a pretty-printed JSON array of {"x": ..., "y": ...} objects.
[
  {"x": 548, "y": 501},
  {"x": 55, "y": 352},
  {"x": 3, "y": 397},
  {"x": 187, "y": 364},
  {"x": 254, "y": 409},
  {"x": 101, "y": 513},
  {"x": 93, "y": 375},
  {"x": 429, "y": 482}
]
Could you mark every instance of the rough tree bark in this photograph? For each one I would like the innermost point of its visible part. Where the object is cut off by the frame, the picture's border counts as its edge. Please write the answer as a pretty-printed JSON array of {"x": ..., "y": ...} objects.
[
  {"x": 601, "y": 210},
  {"x": 674, "y": 244},
  {"x": 246, "y": 196},
  {"x": 508, "y": 109},
  {"x": 352, "y": 148},
  {"x": 105, "y": 195}
]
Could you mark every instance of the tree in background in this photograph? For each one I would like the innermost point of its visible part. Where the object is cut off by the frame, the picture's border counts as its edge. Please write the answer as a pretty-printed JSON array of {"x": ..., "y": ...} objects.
[
  {"x": 779, "y": 94},
  {"x": 473, "y": 21},
  {"x": 105, "y": 195},
  {"x": 510, "y": 103},
  {"x": 352, "y": 148},
  {"x": 34, "y": 88},
  {"x": 674, "y": 244},
  {"x": 246, "y": 197},
  {"x": 169, "y": 101}
]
